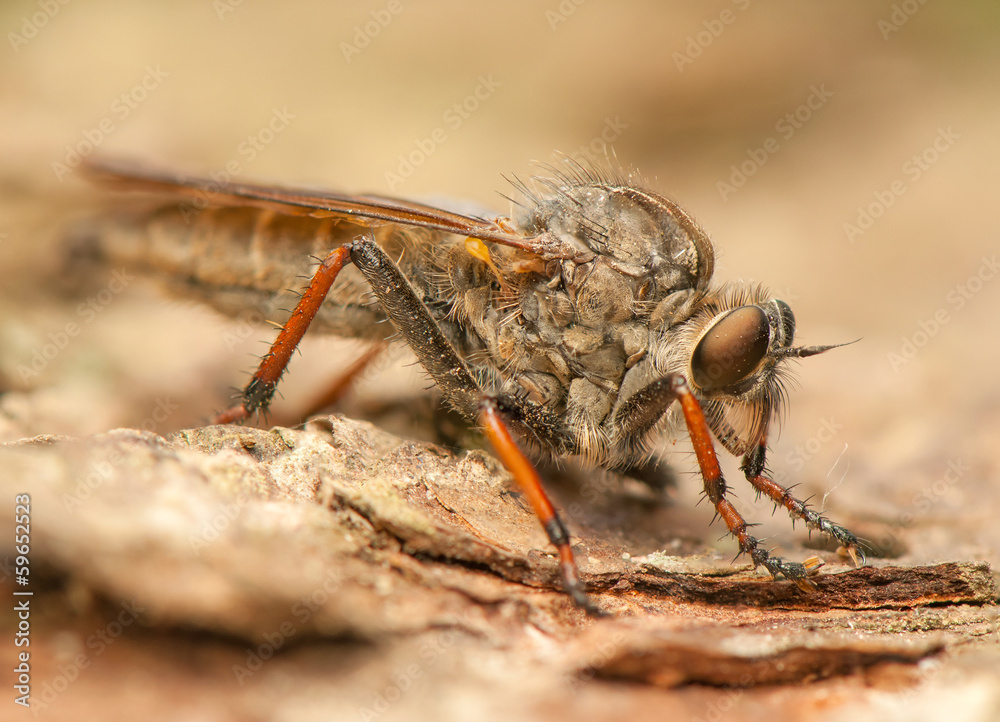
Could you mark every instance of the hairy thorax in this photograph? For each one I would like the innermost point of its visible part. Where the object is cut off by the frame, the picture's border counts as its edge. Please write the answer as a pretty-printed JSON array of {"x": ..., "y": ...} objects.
[{"x": 573, "y": 336}]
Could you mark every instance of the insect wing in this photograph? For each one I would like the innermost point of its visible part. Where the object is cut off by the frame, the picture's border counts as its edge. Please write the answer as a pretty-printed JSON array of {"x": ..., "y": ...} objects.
[{"x": 321, "y": 204}]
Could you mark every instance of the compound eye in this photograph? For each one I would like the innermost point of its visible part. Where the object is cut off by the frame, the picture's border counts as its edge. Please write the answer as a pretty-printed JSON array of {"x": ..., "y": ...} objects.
[{"x": 733, "y": 347}]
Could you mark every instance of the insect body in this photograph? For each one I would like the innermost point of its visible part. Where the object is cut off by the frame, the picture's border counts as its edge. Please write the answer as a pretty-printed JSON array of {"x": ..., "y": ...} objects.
[{"x": 585, "y": 326}]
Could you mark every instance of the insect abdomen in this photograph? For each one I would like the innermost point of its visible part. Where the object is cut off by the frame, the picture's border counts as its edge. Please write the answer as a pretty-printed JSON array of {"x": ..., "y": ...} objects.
[{"x": 238, "y": 260}]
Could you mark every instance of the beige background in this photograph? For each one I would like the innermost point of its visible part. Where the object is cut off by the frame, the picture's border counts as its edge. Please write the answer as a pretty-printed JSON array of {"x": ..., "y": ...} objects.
[{"x": 564, "y": 72}]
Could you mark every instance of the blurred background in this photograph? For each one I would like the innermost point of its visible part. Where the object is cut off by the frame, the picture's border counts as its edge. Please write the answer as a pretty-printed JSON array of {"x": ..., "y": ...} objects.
[{"x": 844, "y": 154}]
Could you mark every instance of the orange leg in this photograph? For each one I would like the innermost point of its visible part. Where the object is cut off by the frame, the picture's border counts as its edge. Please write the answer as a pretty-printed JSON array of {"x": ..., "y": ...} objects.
[
  {"x": 638, "y": 414},
  {"x": 528, "y": 479},
  {"x": 799, "y": 510},
  {"x": 715, "y": 488},
  {"x": 753, "y": 467},
  {"x": 259, "y": 392}
]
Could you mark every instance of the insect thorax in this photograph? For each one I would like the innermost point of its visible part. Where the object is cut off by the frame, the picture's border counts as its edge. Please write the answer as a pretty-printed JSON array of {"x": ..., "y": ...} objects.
[{"x": 573, "y": 336}]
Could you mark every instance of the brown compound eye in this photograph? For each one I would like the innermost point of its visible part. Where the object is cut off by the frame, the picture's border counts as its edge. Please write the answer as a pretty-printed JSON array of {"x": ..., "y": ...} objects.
[{"x": 733, "y": 347}]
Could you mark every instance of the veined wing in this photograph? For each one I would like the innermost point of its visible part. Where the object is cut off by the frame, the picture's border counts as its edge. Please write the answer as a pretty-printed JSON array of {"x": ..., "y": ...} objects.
[{"x": 319, "y": 204}]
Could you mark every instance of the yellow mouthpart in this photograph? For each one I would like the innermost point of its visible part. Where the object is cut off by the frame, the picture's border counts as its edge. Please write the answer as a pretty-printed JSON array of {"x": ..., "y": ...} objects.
[{"x": 478, "y": 249}]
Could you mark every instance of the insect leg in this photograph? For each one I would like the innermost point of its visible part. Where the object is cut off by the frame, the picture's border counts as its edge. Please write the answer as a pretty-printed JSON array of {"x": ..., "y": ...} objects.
[
  {"x": 259, "y": 392},
  {"x": 492, "y": 420},
  {"x": 443, "y": 363},
  {"x": 415, "y": 323},
  {"x": 753, "y": 467},
  {"x": 643, "y": 409}
]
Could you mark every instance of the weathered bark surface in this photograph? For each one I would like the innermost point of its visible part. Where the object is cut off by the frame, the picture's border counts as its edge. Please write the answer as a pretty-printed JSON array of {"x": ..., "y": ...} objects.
[{"x": 272, "y": 554}]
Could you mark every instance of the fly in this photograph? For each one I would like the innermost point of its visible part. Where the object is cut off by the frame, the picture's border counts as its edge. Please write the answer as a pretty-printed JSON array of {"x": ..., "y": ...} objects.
[{"x": 586, "y": 325}]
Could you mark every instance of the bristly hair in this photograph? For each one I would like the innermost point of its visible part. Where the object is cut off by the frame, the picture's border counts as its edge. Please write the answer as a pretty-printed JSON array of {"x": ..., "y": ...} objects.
[
  {"x": 567, "y": 173},
  {"x": 573, "y": 171},
  {"x": 738, "y": 421}
]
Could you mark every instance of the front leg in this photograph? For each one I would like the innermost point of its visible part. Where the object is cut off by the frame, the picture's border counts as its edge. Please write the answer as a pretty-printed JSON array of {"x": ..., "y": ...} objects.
[
  {"x": 753, "y": 466},
  {"x": 641, "y": 411}
]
